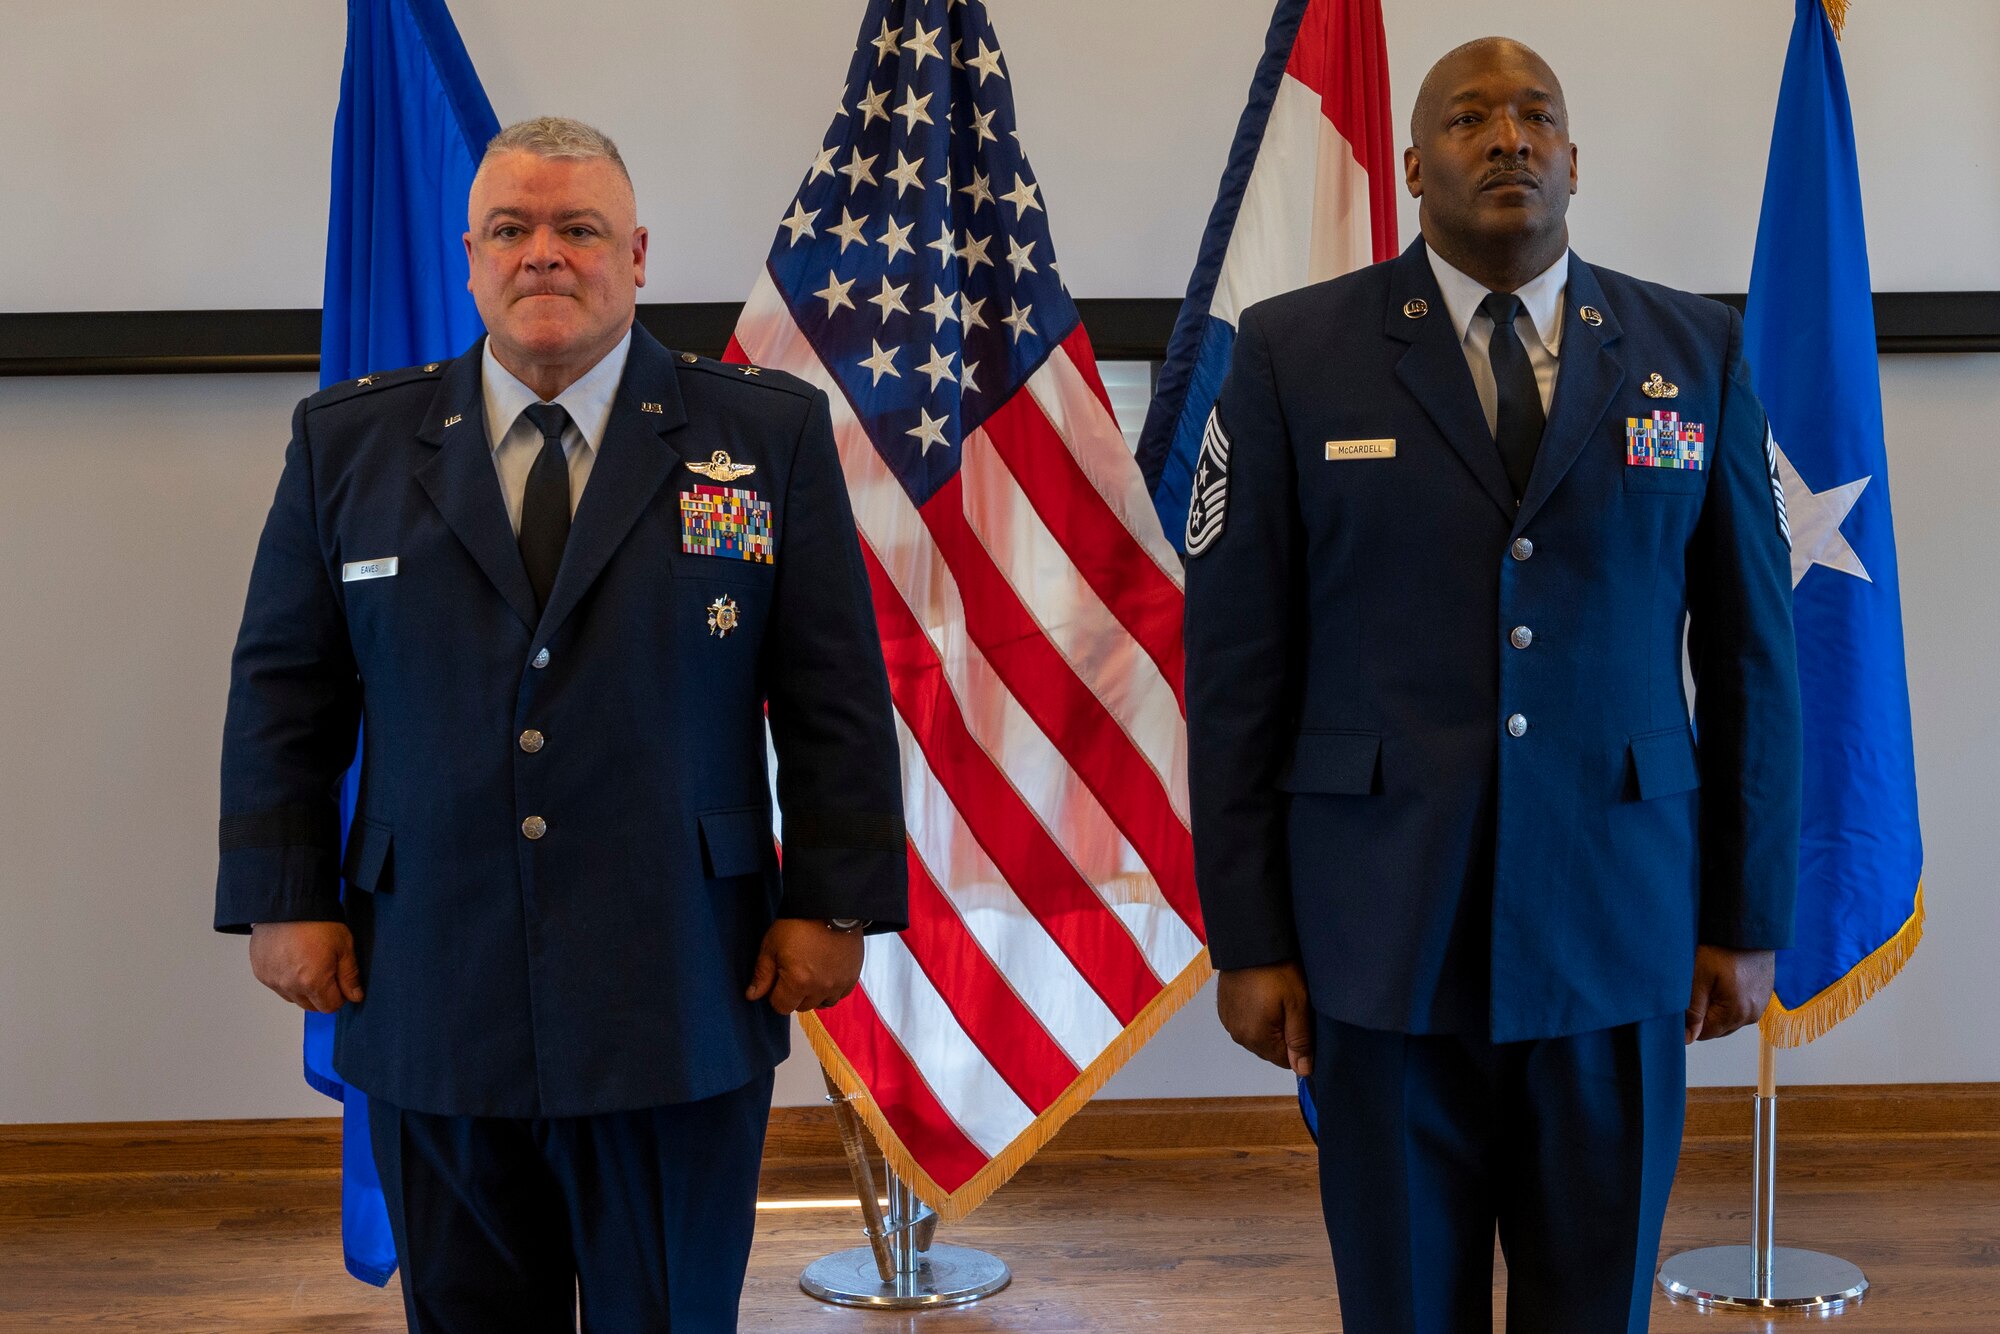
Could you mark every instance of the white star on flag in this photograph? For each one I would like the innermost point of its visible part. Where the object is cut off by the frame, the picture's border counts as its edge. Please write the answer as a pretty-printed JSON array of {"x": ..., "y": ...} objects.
[
  {"x": 923, "y": 44},
  {"x": 835, "y": 294},
  {"x": 981, "y": 190},
  {"x": 894, "y": 238},
  {"x": 944, "y": 245},
  {"x": 857, "y": 170},
  {"x": 1816, "y": 517},
  {"x": 905, "y": 175},
  {"x": 941, "y": 307},
  {"x": 938, "y": 367},
  {"x": 1022, "y": 196},
  {"x": 1017, "y": 320},
  {"x": 890, "y": 299},
  {"x": 849, "y": 230},
  {"x": 874, "y": 105},
  {"x": 913, "y": 111},
  {"x": 822, "y": 164},
  {"x": 882, "y": 363},
  {"x": 973, "y": 252},
  {"x": 986, "y": 62},
  {"x": 929, "y": 431},
  {"x": 801, "y": 222},
  {"x": 888, "y": 44},
  {"x": 1018, "y": 256}
]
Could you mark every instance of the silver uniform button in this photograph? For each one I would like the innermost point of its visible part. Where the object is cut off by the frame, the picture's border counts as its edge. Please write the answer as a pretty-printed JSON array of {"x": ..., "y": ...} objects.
[
  {"x": 1522, "y": 637},
  {"x": 1523, "y": 548},
  {"x": 1516, "y": 726},
  {"x": 534, "y": 826},
  {"x": 542, "y": 658},
  {"x": 531, "y": 740}
]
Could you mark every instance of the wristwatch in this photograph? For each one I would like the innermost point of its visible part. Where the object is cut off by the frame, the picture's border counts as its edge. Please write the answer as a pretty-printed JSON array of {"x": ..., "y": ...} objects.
[{"x": 848, "y": 924}]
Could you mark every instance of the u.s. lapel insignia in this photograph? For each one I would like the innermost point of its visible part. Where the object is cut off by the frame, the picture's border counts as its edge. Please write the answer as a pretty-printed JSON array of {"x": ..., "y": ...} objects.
[
  {"x": 654, "y": 408},
  {"x": 1658, "y": 387},
  {"x": 721, "y": 468},
  {"x": 454, "y": 419},
  {"x": 1416, "y": 308},
  {"x": 722, "y": 616},
  {"x": 1590, "y": 316}
]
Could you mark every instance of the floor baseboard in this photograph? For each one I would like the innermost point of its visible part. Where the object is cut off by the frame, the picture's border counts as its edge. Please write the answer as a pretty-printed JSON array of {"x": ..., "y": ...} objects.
[{"x": 1108, "y": 1129}]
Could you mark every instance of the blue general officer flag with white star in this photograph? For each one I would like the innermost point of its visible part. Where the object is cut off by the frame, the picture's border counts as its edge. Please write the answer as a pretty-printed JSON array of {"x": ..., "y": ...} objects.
[
  {"x": 1809, "y": 333},
  {"x": 412, "y": 123}
]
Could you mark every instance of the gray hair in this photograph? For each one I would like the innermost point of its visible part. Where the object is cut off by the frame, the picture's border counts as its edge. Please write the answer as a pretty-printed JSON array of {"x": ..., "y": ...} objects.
[{"x": 557, "y": 137}]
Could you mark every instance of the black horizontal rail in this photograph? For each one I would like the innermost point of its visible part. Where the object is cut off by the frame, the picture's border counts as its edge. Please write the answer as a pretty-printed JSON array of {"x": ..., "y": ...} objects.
[{"x": 180, "y": 342}]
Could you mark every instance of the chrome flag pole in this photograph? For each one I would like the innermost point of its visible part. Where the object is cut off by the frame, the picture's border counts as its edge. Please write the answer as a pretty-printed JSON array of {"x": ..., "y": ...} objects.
[
  {"x": 901, "y": 1268},
  {"x": 1764, "y": 1276}
]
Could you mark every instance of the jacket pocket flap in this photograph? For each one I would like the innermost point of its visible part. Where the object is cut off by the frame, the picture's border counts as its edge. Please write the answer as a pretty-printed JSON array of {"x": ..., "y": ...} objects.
[
  {"x": 1664, "y": 763},
  {"x": 367, "y": 857},
  {"x": 734, "y": 842},
  {"x": 1343, "y": 763}
]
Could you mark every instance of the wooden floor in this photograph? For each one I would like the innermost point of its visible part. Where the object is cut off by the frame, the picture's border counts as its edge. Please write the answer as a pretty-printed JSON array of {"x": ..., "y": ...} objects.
[{"x": 1204, "y": 1241}]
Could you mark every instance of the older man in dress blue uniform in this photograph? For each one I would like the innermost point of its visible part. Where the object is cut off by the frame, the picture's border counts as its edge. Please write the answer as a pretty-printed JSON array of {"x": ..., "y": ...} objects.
[
  {"x": 562, "y": 579},
  {"x": 1463, "y": 859}
]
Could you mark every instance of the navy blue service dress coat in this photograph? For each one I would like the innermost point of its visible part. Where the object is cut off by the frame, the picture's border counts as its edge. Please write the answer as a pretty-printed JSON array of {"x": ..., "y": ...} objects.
[
  {"x": 562, "y": 864},
  {"x": 1440, "y": 748}
]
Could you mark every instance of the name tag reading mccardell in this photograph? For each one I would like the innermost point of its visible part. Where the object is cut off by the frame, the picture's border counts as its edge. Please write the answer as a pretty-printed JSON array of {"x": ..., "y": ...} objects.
[
  {"x": 1337, "y": 450},
  {"x": 381, "y": 568}
]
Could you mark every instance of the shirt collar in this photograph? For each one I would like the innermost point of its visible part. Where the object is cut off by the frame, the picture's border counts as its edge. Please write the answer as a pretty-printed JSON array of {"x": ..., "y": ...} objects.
[
  {"x": 1541, "y": 296},
  {"x": 588, "y": 401}
]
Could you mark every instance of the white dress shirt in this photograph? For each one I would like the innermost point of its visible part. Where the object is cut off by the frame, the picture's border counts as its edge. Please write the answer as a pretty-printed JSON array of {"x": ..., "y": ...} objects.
[
  {"x": 1539, "y": 324},
  {"x": 516, "y": 441}
]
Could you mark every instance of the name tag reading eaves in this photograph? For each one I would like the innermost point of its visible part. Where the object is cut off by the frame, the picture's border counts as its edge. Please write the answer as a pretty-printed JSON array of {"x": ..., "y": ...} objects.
[
  {"x": 368, "y": 569},
  {"x": 1337, "y": 450}
]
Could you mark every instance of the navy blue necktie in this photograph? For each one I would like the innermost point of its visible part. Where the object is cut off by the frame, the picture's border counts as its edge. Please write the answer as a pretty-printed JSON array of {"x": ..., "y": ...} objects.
[
  {"x": 1519, "y": 421},
  {"x": 545, "y": 502}
]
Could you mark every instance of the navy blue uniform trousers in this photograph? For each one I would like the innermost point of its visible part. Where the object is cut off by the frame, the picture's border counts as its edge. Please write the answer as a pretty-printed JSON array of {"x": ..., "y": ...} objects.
[
  {"x": 1567, "y": 1146},
  {"x": 642, "y": 1218}
]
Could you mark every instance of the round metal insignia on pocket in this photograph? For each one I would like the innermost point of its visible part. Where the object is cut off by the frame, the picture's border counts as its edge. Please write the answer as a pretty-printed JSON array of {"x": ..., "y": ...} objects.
[{"x": 722, "y": 616}]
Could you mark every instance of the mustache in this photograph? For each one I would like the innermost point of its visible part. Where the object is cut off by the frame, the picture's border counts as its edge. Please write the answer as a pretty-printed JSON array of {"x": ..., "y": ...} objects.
[{"x": 1517, "y": 173}]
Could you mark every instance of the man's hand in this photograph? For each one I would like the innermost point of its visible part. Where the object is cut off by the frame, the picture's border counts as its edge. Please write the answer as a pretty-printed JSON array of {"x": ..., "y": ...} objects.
[
  {"x": 1731, "y": 988},
  {"x": 1267, "y": 1011},
  {"x": 310, "y": 964},
  {"x": 805, "y": 965}
]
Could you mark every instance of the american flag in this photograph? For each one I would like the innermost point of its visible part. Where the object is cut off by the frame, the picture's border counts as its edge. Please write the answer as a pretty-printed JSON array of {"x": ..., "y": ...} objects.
[{"x": 1029, "y": 608}]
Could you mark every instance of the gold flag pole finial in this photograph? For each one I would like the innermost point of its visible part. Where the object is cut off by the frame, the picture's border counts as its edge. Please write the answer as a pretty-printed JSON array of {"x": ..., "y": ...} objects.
[{"x": 1836, "y": 14}]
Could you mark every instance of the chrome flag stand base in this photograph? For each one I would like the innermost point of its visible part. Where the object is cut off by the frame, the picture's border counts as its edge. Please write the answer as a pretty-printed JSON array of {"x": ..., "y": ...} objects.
[
  {"x": 1764, "y": 1276},
  {"x": 901, "y": 1268},
  {"x": 1726, "y": 1276}
]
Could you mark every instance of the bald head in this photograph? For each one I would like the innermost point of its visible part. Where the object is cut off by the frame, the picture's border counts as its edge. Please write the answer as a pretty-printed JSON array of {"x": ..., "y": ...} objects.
[
  {"x": 1475, "y": 57},
  {"x": 1491, "y": 163}
]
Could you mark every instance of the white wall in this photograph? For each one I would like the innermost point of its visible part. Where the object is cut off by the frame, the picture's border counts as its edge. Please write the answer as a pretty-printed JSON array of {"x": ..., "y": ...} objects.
[{"x": 175, "y": 157}]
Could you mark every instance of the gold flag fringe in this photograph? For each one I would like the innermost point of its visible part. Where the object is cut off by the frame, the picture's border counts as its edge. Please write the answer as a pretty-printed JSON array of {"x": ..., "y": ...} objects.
[
  {"x": 952, "y": 1206},
  {"x": 1815, "y": 1018},
  {"x": 1836, "y": 14}
]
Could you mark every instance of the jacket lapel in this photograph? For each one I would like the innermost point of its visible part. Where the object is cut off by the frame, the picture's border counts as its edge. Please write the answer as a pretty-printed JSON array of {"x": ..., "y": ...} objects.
[
  {"x": 630, "y": 468},
  {"x": 1588, "y": 375},
  {"x": 465, "y": 488},
  {"x": 1434, "y": 371}
]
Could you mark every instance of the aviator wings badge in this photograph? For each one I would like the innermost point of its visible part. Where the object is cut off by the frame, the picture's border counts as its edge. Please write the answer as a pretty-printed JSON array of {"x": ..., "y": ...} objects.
[{"x": 721, "y": 468}]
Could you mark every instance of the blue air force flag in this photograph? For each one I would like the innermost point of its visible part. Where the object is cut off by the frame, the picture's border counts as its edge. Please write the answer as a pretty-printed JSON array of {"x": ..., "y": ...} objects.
[
  {"x": 411, "y": 126},
  {"x": 1809, "y": 334}
]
